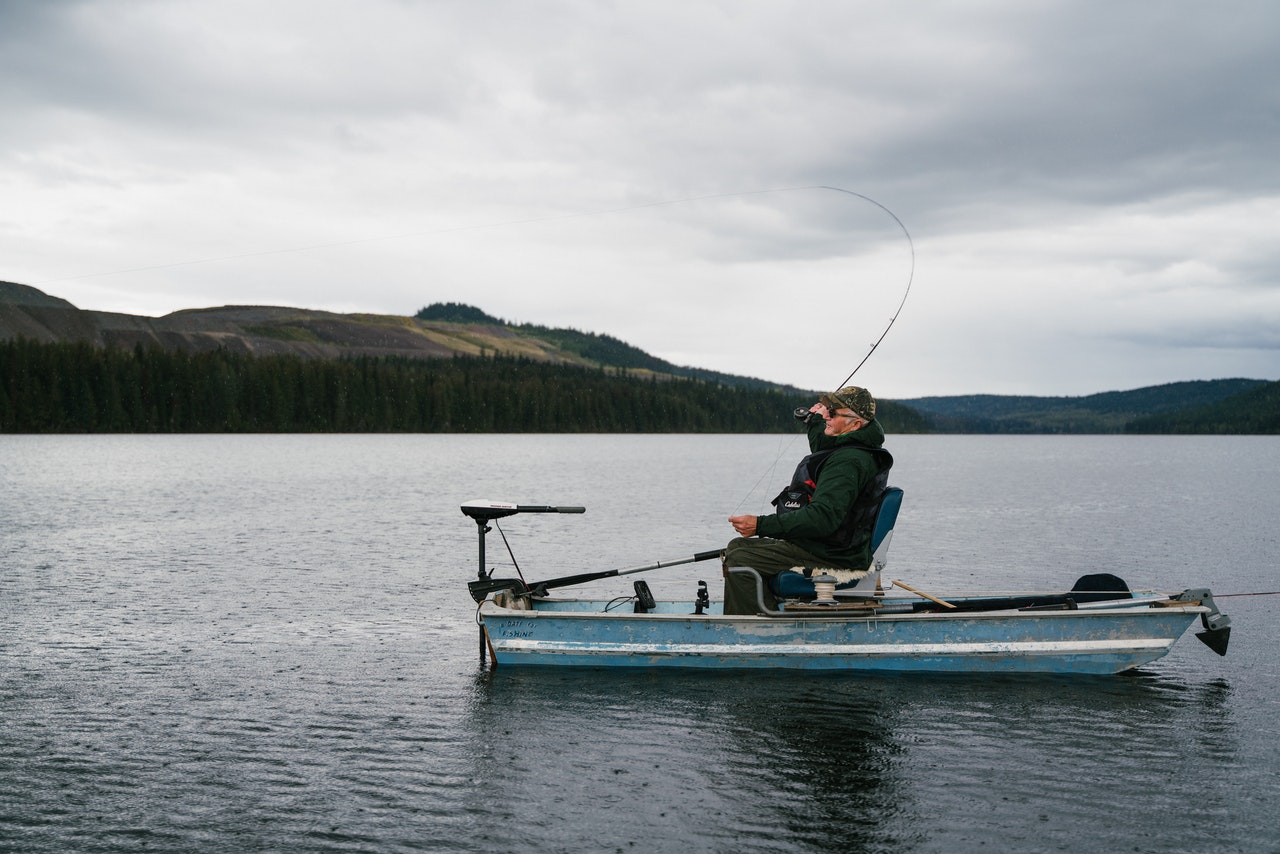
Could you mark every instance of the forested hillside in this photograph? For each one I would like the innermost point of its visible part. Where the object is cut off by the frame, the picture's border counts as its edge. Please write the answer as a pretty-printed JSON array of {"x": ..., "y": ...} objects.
[
  {"x": 1152, "y": 409},
  {"x": 77, "y": 388},
  {"x": 264, "y": 368},
  {"x": 1253, "y": 411}
]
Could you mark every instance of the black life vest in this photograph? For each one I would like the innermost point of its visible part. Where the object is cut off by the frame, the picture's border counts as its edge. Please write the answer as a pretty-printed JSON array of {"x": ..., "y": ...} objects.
[{"x": 857, "y": 523}]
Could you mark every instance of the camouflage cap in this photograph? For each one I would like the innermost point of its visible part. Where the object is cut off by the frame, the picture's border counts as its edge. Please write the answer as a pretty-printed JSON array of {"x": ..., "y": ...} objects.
[{"x": 851, "y": 397}]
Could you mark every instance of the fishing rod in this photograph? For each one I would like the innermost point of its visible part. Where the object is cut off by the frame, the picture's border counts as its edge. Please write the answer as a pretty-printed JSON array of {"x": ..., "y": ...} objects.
[
  {"x": 802, "y": 413},
  {"x": 483, "y": 512},
  {"x": 480, "y": 589},
  {"x": 910, "y": 278},
  {"x": 447, "y": 230}
]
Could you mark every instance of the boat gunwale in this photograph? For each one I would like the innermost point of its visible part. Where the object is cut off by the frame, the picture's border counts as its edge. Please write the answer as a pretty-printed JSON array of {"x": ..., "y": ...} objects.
[{"x": 1153, "y": 606}]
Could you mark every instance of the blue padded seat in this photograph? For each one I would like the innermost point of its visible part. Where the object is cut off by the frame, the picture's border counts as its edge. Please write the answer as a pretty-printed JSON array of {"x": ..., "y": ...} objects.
[{"x": 791, "y": 585}]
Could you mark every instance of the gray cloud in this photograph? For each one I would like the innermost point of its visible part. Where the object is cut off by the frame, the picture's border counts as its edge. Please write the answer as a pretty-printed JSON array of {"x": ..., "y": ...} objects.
[{"x": 1071, "y": 172}]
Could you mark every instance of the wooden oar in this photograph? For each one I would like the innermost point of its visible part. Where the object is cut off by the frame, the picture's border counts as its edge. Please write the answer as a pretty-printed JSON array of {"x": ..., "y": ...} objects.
[{"x": 925, "y": 595}]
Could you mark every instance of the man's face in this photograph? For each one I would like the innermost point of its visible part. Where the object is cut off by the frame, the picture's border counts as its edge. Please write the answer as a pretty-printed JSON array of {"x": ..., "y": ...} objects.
[{"x": 841, "y": 421}]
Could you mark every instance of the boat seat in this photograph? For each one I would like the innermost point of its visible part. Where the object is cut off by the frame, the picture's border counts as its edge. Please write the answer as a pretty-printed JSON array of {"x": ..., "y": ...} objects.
[{"x": 793, "y": 585}]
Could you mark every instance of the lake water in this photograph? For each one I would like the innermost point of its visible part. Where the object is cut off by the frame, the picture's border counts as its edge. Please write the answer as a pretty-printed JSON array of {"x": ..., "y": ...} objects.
[{"x": 265, "y": 643}]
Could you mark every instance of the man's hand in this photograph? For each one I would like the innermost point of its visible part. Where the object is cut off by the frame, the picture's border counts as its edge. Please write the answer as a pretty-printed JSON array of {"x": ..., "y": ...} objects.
[{"x": 744, "y": 525}]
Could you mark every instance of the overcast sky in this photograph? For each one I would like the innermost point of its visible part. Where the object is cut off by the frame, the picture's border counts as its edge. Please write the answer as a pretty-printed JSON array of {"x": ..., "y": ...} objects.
[{"x": 1092, "y": 189}]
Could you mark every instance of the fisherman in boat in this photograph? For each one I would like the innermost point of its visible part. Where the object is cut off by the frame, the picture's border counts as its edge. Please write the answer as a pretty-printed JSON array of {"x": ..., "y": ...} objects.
[{"x": 824, "y": 517}]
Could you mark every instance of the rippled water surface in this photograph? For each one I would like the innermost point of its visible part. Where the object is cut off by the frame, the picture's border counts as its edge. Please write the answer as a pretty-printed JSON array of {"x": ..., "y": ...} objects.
[{"x": 266, "y": 643}]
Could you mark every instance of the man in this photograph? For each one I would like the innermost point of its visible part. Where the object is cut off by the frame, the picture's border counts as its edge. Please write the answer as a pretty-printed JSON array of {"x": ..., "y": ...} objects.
[{"x": 825, "y": 516}]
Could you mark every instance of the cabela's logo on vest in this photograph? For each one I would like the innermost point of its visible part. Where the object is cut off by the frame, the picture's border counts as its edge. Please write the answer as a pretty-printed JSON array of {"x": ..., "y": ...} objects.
[{"x": 861, "y": 516}]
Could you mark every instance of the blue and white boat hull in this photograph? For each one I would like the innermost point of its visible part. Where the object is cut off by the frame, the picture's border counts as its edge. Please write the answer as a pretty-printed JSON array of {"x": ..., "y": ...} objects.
[{"x": 582, "y": 633}]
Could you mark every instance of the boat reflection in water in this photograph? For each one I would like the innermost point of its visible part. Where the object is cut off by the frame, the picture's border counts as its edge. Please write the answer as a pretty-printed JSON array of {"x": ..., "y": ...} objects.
[{"x": 766, "y": 761}]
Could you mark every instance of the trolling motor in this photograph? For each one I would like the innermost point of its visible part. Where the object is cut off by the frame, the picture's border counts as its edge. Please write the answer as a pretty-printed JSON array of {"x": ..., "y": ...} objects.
[
  {"x": 484, "y": 512},
  {"x": 1217, "y": 625}
]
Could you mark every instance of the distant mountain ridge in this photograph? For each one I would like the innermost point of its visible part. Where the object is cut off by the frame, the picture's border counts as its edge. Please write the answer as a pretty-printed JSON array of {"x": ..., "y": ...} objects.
[
  {"x": 444, "y": 330},
  {"x": 1105, "y": 412},
  {"x": 29, "y": 313}
]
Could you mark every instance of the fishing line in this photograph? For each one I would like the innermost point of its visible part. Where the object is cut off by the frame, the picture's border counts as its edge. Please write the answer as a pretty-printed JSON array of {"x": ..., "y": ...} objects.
[
  {"x": 510, "y": 552},
  {"x": 768, "y": 473}
]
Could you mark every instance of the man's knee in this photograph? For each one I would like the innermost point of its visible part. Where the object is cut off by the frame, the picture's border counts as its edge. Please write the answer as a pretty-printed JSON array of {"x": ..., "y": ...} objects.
[
  {"x": 766, "y": 556},
  {"x": 741, "y": 551},
  {"x": 735, "y": 548}
]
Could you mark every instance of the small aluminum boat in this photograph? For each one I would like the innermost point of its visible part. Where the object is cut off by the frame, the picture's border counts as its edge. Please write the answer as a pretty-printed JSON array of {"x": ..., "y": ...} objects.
[{"x": 1098, "y": 627}]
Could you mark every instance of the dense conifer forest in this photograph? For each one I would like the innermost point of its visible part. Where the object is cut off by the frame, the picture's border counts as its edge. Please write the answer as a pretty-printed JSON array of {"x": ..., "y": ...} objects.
[
  {"x": 1255, "y": 411},
  {"x": 210, "y": 371},
  {"x": 77, "y": 388}
]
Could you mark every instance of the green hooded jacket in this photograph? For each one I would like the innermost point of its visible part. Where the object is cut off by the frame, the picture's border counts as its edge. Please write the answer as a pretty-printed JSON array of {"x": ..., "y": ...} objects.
[{"x": 841, "y": 480}]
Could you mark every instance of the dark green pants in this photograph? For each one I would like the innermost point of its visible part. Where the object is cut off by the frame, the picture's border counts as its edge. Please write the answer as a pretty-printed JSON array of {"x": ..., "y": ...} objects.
[{"x": 767, "y": 557}]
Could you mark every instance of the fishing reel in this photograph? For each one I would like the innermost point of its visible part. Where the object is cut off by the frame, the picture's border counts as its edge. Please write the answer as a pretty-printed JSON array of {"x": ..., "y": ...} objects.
[{"x": 804, "y": 416}]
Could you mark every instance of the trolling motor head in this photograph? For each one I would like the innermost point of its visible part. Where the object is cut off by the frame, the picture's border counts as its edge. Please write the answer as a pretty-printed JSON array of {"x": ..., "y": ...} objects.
[{"x": 483, "y": 511}]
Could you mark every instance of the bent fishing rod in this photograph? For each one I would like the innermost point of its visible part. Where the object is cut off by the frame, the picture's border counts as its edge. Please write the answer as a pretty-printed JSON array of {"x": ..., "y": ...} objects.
[
  {"x": 802, "y": 412},
  {"x": 911, "y": 274}
]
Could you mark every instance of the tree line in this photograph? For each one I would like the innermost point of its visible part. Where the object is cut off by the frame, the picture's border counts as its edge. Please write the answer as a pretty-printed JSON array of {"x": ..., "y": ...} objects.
[
  {"x": 1255, "y": 411},
  {"x": 79, "y": 388}
]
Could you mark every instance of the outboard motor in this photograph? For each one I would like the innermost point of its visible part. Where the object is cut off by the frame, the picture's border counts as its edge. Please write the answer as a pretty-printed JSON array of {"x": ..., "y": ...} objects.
[{"x": 1217, "y": 625}]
